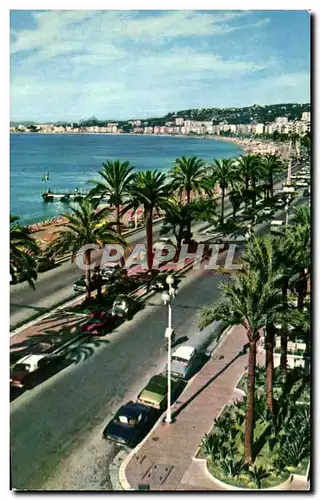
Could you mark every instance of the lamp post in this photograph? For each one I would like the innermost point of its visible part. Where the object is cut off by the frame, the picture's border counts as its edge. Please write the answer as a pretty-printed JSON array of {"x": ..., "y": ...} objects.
[
  {"x": 167, "y": 296},
  {"x": 286, "y": 208}
]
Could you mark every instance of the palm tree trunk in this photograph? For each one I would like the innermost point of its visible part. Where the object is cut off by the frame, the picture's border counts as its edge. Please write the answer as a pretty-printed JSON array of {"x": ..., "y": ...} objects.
[
  {"x": 284, "y": 336},
  {"x": 248, "y": 438},
  {"x": 271, "y": 184},
  {"x": 149, "y": 238},
  {"x": 222, "y": 204},
  {"x": 302, "y": 290},
  {"x": 87, "y": 261},
  {"x": 118, "y": 223},
  {"x": 118, "y": 219},
  {"x": 269, "y": 343},
  {"x": 188, "y": 195}
]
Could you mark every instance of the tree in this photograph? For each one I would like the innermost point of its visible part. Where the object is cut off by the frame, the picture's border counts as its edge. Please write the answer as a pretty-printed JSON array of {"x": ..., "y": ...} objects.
[
  {"x": 23, "y": 252},
  {"x": 178, "y": 220},
  {"x": 115, "y": 181},
  {"x": 85, "y": 226},
  {"x": 188, "y": 175},
  {"x": 222, "y": 174},
  {"x": 251, "y": 170},
  {"x": 272, "y": 166},
  {"x": 250, "y": 302},
  {"x": 260, "y": 255},
  {"x": 150, "y": 190}
]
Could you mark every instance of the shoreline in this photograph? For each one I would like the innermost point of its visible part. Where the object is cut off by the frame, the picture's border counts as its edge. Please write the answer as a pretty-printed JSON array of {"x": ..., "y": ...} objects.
[{"x": 248, "y": 145}]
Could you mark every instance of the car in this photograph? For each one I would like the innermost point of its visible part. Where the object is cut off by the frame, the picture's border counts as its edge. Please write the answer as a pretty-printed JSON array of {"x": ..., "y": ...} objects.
[
  {"x": 45, "y": 264},
  {"x": 99, "y": 323},
  {"x": 131, "y": 424},
  {"x": 276, "y": 226},
  {"x": 159, "y": 282},
  {"x": 123, "y": 306},
  {"x": 267, "y": 211},
  {"x": 80, "y": 284},
  {"x": 186, "y": 361},
  {"x": 111, "y": 273},
  {"x": 24, "y": 373},
  {"x": 155, "y": 392}
]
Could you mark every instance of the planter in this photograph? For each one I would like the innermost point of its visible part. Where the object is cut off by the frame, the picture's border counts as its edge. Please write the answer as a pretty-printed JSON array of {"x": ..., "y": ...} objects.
[{"x": 282, "y": 486}]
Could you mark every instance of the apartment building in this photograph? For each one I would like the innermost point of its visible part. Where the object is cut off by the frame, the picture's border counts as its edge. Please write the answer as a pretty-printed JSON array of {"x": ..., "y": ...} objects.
[{"x": 179, "y": 122}]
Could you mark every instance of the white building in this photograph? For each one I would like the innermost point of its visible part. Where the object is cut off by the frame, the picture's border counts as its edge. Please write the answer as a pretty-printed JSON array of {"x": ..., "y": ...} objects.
[
  {"x": 258, "y": 128},
  {"x": 306, "y": 116},
  {"x": 179, "y": 122},
  {"x": 281, "y": 120}
]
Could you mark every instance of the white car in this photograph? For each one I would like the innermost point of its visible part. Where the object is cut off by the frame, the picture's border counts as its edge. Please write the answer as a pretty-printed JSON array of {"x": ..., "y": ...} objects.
[
  {"x": 22, "y": 372},
  {"x": 276, "y": 226},
  {"x": 186, "y": 360},
  {"x": 267, "y": 211}
]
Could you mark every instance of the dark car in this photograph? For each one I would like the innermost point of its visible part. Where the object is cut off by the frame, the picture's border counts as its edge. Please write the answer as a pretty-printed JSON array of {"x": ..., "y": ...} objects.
[
  {"x": 131, "y": 424},
  {"x": 159, "y": 282},
  {"x": 124, "y": 307},
  {"x": 80, "y": 284},
  {"x": 99, "y": 323},
  {"x": 111, "y": 273}
]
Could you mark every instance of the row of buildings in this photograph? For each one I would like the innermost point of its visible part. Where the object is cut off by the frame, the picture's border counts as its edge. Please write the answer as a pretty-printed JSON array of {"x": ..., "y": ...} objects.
[{"x": 180, "y": 126}]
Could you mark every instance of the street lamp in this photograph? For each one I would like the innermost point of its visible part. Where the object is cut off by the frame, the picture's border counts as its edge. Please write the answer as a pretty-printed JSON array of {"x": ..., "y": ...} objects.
[
  {"x": 167, "y": 296},
  {"x": 286, "y": 208}
]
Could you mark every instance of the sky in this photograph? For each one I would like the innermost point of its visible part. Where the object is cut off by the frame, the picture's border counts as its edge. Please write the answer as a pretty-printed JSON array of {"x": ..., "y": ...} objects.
[{"x": 71, "y": 65}]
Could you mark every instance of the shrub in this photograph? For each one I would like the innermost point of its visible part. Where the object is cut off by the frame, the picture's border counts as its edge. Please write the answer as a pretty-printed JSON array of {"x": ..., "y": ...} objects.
[
  {"x": 232, "y": 466},
  {"x": 257, "y": 474}
]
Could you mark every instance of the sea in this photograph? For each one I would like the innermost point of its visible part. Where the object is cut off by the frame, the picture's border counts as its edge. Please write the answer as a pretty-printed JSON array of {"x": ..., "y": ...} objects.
[{"x": 73, "y": 160}]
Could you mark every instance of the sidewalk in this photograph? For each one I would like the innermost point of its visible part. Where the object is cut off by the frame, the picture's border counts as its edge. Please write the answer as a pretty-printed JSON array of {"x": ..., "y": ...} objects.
[
  {"x": 164, "y": 461},
  {"x": 164, "y": 458}
]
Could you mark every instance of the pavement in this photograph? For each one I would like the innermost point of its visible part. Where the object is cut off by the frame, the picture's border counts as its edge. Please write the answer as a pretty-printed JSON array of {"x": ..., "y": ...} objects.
[{"x": 163, "y": 462}]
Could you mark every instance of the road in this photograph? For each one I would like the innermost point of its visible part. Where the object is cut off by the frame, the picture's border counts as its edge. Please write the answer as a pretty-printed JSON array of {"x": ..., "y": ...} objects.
[
  {"x": 56, "y": 286},
  {"x": 56, "y": 427}
]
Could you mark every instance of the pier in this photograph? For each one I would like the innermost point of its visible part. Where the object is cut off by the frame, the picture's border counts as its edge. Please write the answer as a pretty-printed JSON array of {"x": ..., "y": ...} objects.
[{"x": 65, "y": 196}]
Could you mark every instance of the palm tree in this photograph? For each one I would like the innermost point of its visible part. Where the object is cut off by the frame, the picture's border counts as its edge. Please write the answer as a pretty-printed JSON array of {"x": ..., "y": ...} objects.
[
  {"x": 251, "y": 169},
  {"x": 188, "y": 175},
  {"x": 178, "y": 219},
  {"x": 250, "y": 302},
  {"x": 223, "y": 171},
  {"x": 23, "y": 251},
  {"x": 260, "y": 255},
  {"x": 116, "y": 178},
  {"x": 85, "y": 226},
  {"x": 272, "y": 166},
  {"x": 151, "y": 190}
]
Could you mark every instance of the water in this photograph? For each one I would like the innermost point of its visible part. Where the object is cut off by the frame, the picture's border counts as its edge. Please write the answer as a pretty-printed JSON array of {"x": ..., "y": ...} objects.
[{"x": 72, "y": 160}]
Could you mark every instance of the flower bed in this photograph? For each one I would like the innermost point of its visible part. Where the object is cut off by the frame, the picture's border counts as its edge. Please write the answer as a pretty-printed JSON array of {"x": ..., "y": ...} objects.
[{"x": 281, "y": 444}]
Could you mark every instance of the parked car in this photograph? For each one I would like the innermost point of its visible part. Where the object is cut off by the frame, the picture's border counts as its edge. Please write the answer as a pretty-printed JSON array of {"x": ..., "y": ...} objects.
[
  {"x": 131, "y": 424},
  {"x": 267, "y": 211},
  {"x": 99, "y": 323},
  {"x": 276, "y": 226},
  {"x": 155, "y": 392},
  {"x": 159, "y": 282},
  {"x": 186, "y": 361},
  {"x": 111, "y": 273},
  {"x": 80, "y": 284},
  {"x": 27, "y": 370},
  {"x": 124, "y": 306}
]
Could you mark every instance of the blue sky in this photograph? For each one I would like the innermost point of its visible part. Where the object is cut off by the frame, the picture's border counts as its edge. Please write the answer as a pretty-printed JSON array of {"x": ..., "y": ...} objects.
[{"x": 70, "y": 65}]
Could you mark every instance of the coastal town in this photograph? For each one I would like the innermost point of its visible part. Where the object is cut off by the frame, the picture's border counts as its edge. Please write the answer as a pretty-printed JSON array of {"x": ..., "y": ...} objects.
[{"x": 180, "y": 126}]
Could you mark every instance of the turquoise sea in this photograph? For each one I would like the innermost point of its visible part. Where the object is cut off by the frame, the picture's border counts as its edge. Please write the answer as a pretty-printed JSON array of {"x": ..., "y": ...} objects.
[{"x": 72, "y": 160}]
